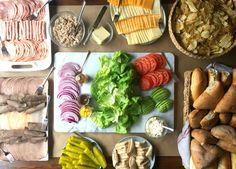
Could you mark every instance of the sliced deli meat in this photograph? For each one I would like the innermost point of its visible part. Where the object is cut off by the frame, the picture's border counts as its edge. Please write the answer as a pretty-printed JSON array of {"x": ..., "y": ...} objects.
[{"x": 21, "y": 9}]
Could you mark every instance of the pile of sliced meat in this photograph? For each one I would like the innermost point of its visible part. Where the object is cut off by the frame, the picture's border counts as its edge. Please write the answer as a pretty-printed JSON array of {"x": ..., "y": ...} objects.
[
  {"x": 23, "y": 30},
  {"x": 152, "y": 70},
  {"x": 23, "y": 135},
  {"x": 69, "y": 92},
  {"x": 19, "y": 85},
  {"x": 23, "y": 38},
  {"x": 20, "y": 9},
  {"x": 25, "y": 50}
]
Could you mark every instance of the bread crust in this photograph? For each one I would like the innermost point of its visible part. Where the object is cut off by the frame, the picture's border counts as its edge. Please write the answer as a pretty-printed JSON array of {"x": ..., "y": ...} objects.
[
  {"x": 195, "y": 117},
  {"x": 198, "y": 83},
  {"x": 203, "y": 136},
  {"x": 210, "y": 97}
]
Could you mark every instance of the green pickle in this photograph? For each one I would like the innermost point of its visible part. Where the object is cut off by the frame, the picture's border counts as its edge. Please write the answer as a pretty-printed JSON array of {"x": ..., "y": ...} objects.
[
  {"x": 83, "y": 167},
  {"x": 100, "y": 157},
  {"x": 90, "y": 154},
  {"x": 71, "y": 154},
  {"x": 74, "y": 149},
  {"x": 88, "y": 163}
]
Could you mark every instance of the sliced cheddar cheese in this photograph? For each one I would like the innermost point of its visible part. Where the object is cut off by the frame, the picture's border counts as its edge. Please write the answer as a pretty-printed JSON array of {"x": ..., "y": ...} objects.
[
  {"x": 137, "y": 23},
  {"x": 129, "y": 11},
  {"x": 143, "y": 36},
  {"x": 148, "y": 4}
]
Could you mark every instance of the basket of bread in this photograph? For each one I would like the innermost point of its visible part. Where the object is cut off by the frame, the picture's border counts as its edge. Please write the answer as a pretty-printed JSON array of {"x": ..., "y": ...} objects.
[
  {"x": 203, "y": 29},
  {"x": 210, "y": 108}
]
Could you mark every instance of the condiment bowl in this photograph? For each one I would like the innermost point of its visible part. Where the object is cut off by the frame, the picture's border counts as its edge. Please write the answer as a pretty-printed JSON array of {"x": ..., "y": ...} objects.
[
  {"x": 152, "y": 129},
  {"x": 68, "y": 39}
]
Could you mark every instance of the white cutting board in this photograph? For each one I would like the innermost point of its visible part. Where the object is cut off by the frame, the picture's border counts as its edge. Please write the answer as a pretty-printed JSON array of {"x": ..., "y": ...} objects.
[
  {"x": 32, "y": 65},
  {"x": 90, "y": 68}
]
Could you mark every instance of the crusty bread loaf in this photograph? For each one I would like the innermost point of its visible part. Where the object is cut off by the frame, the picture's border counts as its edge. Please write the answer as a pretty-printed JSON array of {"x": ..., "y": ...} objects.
[
  {"x": 213, "y": 76},
  {"x": 225, "y": 117},
  {"x": 198, "y": 83},
  {"x": 195, "y": 117},
  {"x": 234, "y": 77},
  {"x": 224, "y": 132},
  {"x": 233, "y": 121},
  {"x": 228, "y": 102},
  {"x": 227, "y": 146},
  {"x": 214, "y": 165},
  {"x": 203, "y": 136},
  {"x": 225, "y": 161},
  {"x": 210, "y": 120},
  {"x": 233, "y": 160},
  {"x": 226, "y": 79},
  {"x": 210, "y": 97},
  {"x": 187, "y": 91},
  {"x": 204, "y": 155}
]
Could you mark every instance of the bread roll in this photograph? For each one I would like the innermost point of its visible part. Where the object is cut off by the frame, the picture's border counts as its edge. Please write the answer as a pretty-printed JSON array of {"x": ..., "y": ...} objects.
[
  {"x": 195, "y": 117},
  {"x": 211, "y": 166},
  {"x": 203, "y": 156},
  {"x": 228, "y": 102},
  {"x": 213, "y": 76},
  {"x": 210, "y": 97},
  {"x": 225, "y": 161},
  {"x": 227, "y": 146},
  {"x": 225, "y": 118},
  {"x": 224, "y": 132},
  {"x": 198, "y": 83},
  {"x": 233, "y": 121},
  {"x": 226, "y": 79},
  {"x": 210, "y": 120},
  {"x": 234, "y": 77},
  {"x": 203, "y": 136},
  {"x": 233, "y": 160}
]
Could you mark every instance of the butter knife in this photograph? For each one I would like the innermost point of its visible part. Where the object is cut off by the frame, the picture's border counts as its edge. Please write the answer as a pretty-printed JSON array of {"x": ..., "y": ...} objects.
[{"x": 95, "y": 24}]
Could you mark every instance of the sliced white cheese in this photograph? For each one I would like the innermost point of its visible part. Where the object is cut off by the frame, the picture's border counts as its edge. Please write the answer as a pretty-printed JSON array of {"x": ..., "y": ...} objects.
[{"x": 100, "y": 35}]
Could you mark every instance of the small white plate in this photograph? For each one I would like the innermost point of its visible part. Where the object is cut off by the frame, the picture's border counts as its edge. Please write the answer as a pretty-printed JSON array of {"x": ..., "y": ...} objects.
[{"x": 141, "y": 139}]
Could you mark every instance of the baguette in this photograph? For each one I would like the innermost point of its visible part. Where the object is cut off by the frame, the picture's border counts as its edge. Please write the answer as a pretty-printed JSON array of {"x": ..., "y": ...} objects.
[
  {"x": 210, "y": 120},
  {"x": 233, "y": 121},
  {"x": 233, "y": 160},
  {"x": 225, "y": 133},
  {"x": 210, "y": 97},
  {"x": 226, "y": 79},
  {"x": 203, "y": 136},
  {"x": 213, "y": 76},
  {"x": 227, "y": 103},
  {"x": 227, "y": 146},
  {"x": 198, "y": 83},
  {"x": 225, "y": 161},
  {"x": 225, "y": 118},
  {"x": 195, "y": 117}
]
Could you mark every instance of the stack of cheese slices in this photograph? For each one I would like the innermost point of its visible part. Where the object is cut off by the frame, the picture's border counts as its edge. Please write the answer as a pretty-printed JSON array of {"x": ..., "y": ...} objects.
[
  {"x": 210, "y": 106},
  {"x": 138, "y": 21}
]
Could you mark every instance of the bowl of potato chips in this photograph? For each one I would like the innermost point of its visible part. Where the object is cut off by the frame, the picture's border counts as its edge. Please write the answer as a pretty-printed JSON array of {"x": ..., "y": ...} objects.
[{"x": 203, "y": 29}]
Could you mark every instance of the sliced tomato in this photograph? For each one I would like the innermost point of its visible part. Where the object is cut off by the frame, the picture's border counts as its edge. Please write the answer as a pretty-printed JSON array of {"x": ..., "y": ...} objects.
[
  {"x": 166, "y": 73},
  {"x": 138, "y": 67},
  {"x": 144, "y": 83}
]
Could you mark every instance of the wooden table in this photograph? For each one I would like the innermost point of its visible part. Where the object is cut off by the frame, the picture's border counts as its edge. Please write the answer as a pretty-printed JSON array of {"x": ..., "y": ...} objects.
[{"x": 183, "y": 63}]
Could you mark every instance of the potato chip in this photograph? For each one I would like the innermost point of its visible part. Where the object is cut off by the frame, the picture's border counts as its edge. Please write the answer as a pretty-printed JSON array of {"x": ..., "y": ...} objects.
[{"x": 205, "y": 27}]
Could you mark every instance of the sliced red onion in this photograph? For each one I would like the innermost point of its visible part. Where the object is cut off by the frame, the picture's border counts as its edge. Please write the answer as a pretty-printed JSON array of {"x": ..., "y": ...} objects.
[
  {"x": 70, "y": 117},
  {"x": 69, "y": 69},
  {"x": 68, "y": 94}
]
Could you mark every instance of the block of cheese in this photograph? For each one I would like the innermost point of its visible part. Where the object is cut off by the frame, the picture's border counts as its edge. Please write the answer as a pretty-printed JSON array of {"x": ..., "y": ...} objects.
[
  {"x": 148, "y": 4},
  {"x": 137, "y": 23},
  {"x": 143, "y": 36},
  {"x": 100, "y": 35}
]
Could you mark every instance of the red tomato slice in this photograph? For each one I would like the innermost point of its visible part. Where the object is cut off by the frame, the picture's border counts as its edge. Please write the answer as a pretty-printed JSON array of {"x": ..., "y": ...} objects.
[{"x": 144, "y": 83}]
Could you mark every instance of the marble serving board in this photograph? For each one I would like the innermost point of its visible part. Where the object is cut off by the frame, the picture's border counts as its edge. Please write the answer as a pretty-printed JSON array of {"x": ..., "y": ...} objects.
[{"x": 90, "y": 68}]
